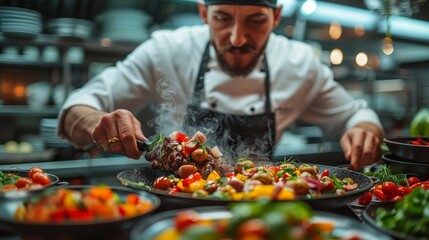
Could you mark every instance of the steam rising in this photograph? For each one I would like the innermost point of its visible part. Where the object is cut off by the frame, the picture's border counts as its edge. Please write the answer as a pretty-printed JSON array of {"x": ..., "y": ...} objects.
[{"x": 171, "y": 112}]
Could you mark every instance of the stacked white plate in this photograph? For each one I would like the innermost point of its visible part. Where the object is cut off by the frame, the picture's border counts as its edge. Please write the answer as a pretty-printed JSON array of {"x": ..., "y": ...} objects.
[
  {"x": 124, "y": 24},
  {"x": 20, "y": 22},
  {"x": 71, "y": 27},
  {"x": 48, "y": 133}
]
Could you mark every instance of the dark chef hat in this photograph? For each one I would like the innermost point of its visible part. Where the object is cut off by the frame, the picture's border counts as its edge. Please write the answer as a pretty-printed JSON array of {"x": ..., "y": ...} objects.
[{"x": 269, "y": 3}]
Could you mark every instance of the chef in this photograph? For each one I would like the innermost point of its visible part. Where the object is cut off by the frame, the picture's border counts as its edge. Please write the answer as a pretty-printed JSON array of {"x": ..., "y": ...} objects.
[{"x": 231, "y": 78}]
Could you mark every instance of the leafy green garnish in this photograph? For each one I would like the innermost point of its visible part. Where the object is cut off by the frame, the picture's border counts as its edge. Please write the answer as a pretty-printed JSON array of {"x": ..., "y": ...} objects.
[{"x": 384, "y": 174}]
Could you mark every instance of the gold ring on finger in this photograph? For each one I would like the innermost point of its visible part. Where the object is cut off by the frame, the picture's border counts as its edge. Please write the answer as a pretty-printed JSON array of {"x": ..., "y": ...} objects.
[{"x": 113, "y": 140}]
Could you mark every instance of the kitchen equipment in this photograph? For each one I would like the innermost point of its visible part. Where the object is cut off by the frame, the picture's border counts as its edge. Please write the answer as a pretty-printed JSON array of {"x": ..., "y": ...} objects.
[
  {"x": 24, "y": 193},
  {"x": 71, "y": 28},
  {"x": 142, "y": 178},
  {"x": 370, "y": 213},
  {"x": 400, "y": 147},
  {"x": 401, "y": 165},
  {"x": 20, "y": 22},
  {"x": 344, "y": 226},
  {"x": 111, "y": 229}
]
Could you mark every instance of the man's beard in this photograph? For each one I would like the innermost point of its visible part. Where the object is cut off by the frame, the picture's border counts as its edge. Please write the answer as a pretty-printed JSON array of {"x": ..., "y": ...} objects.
[{"x": 236, "y": 69}]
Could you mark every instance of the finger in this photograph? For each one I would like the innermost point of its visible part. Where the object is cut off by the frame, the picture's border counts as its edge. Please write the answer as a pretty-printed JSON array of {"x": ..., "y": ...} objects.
[
  {"x": 357, "y": 148},
  {"x": 110, "y": 127},
  {"x": 346, "y": 145},
  {"x": 370, "y": 150},
  {"x": 100, "y": 139},
  {"x": 128, "y": 138},
  {"x": 138, "y": 130}
]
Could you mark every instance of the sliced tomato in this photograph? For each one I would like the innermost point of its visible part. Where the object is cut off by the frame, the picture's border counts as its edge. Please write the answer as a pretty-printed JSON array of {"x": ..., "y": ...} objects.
[
  {"x": 80, "y": 215},
  {"x": 365, "y": 199},
  {"x": 424, "y": 185},
  {"x": 378, "y": 193},
  {"x": 179, "y": 136},
  {"x": 404, "y": 191}
]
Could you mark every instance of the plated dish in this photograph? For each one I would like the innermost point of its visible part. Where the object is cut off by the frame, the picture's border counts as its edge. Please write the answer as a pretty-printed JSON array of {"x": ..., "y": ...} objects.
[
  {"x": 404, "y": 220},
  {"x": 266, "y": 219},
  {"x": 21, "y": 183},
  {"x": 144, "y": 177},
  {"x": 73, "y": 215}
]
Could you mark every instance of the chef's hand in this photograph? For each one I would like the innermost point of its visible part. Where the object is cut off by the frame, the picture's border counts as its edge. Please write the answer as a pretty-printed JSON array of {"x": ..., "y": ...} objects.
[
  {"x": 361, "y": 144},
  {"x": 117, "y": 132}
]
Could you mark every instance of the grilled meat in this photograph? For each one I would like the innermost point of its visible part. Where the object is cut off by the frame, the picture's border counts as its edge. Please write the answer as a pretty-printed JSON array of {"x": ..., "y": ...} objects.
[{"x": 167, "y": 155}]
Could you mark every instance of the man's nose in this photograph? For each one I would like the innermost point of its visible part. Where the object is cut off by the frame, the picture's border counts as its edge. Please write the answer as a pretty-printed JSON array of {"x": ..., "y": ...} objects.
[{"x": 238, "y": 37}]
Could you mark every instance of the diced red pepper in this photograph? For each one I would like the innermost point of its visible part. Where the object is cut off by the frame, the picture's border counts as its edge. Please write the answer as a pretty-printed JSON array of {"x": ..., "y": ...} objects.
[
  {"x": 175, "y": 189},
  {"x": 191, "y": 146}
]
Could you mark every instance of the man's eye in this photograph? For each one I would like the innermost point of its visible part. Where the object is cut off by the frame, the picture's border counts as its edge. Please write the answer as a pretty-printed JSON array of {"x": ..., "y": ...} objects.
[
  {"x": 257, "y": 20},
  {"x": 223, "y": 19}
]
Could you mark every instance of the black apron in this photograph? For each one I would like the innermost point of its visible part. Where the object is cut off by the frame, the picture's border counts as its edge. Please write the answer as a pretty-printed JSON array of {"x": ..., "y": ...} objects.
[{"x": 251, "y": 136}]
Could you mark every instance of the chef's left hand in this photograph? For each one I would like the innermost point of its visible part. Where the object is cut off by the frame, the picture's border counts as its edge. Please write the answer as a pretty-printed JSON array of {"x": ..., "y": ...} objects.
[{"x": 361, "y": 144}]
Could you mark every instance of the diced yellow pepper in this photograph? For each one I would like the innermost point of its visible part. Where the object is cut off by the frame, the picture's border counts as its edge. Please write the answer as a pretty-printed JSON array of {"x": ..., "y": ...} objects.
[
  {"x": 214, "y": 176},
  {"x": 197, "y": 185},
  {"x": 261, "y": 191},
  {"x": 237, "y": 196},
  {"x": 285, "y": 194},
  {"x": 242, "y": 177}
]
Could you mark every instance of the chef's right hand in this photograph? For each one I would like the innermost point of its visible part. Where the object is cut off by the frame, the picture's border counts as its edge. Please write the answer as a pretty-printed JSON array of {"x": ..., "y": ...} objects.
[{"x": 117, "y": 132}]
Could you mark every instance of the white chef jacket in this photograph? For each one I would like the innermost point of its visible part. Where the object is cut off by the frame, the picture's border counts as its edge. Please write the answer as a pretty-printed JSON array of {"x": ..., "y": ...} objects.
[{"x": 163, "y": 71}]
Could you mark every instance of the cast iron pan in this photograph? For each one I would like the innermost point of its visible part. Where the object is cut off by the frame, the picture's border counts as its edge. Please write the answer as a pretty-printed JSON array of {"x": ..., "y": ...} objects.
[
  {"x": 24, "y": 193},
  {"x": 143, "y": 178},
  {"x": 400, "y": 165},
  {"x": 369, "y": 216},
  {"x": 400, "y": 147},
  {"x": 344, "y": 226},
  {"x": 92, "y": 230}
]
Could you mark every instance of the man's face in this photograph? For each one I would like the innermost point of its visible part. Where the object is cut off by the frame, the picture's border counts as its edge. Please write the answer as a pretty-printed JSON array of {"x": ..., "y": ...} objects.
[{"x": 239, "y": 34}]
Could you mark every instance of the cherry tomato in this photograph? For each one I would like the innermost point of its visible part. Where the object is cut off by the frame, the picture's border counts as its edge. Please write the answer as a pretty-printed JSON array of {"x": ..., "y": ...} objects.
[
  {"x": 23, "y": 182},
  {"x": 324, "y": 173},
  {"x": 34, "y": 170},
  {"x": 365, "y": 199},
  {"x": 390, "y": 189},
  {"x": 184, "y": 219},
  {"x": 162, "y": 183},
  {"x": 41, "y": 178},
  {"x": 404, "y": 191},
  {"x": 424, "y": 185},
  {"x": 412, "y": 180}
]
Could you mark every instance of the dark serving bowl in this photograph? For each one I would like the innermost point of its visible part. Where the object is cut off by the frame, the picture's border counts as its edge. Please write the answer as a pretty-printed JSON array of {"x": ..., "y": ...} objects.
[
  {"x": 400, "y": 147},
  {"x": 344, "y": 226},
  {"x": 369, "y": 216},
  {"x": 111, "y": 229},
  {"x": 25, "y": 193},
  {"x": 143, "y": 178},
  {"x": 400, "y": 165}
]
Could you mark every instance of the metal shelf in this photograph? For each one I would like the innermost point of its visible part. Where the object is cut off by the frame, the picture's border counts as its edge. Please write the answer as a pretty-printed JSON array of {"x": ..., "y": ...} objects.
[{"x": 27, "y": 111}]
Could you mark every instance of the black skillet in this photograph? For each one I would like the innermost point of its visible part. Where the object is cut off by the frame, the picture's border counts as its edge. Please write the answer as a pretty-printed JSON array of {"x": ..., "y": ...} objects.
[
  {"x": 400, "y": 147},
  {"x": 113, "y": 229},
  {"x": 24, "y": 193},
  {"x": 142, "y": 178}
]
